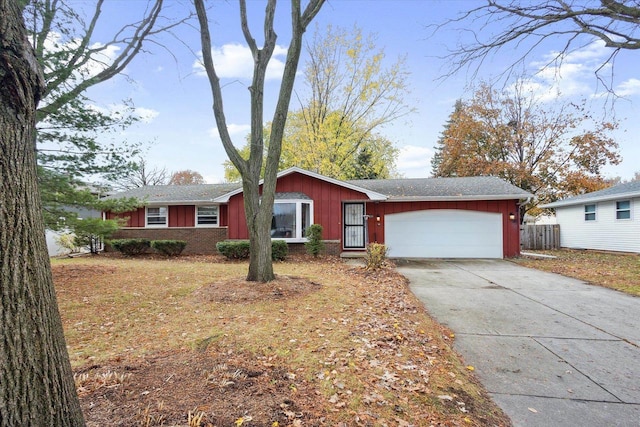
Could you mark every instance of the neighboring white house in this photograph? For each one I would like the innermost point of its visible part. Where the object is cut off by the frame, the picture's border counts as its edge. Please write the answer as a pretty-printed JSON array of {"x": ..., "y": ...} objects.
[{"x": 608, "y": 219}]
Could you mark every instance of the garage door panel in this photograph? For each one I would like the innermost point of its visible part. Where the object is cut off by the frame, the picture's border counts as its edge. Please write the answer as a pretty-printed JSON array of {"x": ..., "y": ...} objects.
[{"x": 444, "y": 233}]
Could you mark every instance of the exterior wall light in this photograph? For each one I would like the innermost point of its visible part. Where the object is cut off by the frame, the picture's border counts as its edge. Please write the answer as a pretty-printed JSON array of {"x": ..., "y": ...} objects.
[{"x": 512, "y": 216}]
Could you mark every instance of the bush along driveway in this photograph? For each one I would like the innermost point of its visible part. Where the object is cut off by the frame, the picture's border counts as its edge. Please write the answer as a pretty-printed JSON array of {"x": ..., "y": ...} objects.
[{"x": 551, "y": 350}]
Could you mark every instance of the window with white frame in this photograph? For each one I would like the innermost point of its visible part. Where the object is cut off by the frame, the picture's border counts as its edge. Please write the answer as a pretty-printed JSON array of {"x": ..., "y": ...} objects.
[
  {"x": 157, "y": 217},
  {"x": 291, "y": 219},
  {"x": 623, "y": 209},
  {"x": 207, "y": 216},
  {"x": 590, "y": 212}
]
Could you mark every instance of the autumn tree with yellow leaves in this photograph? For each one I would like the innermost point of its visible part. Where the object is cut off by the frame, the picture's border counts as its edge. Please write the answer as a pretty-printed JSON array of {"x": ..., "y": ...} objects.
[{"x": 349, "y": 94}]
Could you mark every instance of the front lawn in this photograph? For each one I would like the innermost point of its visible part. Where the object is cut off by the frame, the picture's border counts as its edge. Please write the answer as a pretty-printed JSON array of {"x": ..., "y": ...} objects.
[
  {"x": 188, "y": 342},
  {"x": 615, "y": 271}
]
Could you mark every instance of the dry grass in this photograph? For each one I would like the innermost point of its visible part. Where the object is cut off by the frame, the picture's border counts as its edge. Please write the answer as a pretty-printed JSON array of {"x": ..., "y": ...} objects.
[
  {"x": 324, "y": 345},
  {"x": 615, "y": 271}
]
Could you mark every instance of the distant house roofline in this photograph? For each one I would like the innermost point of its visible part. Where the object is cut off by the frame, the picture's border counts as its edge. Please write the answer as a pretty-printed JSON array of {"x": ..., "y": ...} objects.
[{"x": 626, "y": 190}]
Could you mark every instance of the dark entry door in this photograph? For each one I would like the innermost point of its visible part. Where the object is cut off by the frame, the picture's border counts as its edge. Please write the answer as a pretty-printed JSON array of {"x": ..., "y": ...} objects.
[{"x": 354, "y": 225}]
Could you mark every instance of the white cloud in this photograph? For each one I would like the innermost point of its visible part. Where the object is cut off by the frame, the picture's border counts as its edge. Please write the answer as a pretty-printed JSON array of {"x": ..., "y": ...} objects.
[
  {"x": 101, "y": 59},
  {"x": 234, "y": 130},
  {"x": 629, "y": 88},
  {"x": 414, "y": 161},
  {"x": 568, "y": 74},
  {"x": 213, "y": 179},
  {"x": 146, "y": 115},
  {"x": 234, "y": 61}
]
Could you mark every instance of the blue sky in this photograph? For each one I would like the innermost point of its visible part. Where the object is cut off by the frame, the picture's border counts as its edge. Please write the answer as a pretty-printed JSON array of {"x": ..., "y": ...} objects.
[{"x": 173, "y": 96}]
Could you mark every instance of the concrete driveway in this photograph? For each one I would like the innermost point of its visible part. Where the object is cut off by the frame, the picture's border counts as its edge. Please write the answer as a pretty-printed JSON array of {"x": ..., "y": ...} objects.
[{"x": 551, "y": 350}]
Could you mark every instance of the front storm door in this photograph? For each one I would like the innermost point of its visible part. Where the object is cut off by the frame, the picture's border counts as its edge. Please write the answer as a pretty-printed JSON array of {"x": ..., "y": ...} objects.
[{"x": 354, "y": 226}]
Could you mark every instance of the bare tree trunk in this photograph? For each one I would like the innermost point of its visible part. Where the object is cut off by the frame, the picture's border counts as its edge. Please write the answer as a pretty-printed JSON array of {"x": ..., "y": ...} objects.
[
  {"x": 259, "y": 209},
  {"x": 260, "y": 263},
  {"x": 36, "y": 382}
]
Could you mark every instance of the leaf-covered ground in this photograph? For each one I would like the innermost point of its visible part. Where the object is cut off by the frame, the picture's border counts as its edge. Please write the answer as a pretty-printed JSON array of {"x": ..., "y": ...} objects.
[
  {"x": 611, "y": 270},
  {"x": 188, "y": 342}
]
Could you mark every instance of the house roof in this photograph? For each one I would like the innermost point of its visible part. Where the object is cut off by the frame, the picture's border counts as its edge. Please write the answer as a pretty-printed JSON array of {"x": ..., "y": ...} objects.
[
  {"x": 413, "y": 189},
  {"x": 620, "y": 191},
  {"x": 461, "y": 188},
  {"x": 178, "y": 194}
]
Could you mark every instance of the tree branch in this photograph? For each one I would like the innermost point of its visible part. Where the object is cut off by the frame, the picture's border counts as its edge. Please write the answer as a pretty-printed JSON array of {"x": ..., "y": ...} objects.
[
  {"x": 216, "y": 92},
  {"x": 613, "y": 22}
]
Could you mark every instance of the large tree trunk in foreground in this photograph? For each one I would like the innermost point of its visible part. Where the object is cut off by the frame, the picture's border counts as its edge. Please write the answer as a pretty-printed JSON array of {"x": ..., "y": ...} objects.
[{"x": 36, "y": 382}]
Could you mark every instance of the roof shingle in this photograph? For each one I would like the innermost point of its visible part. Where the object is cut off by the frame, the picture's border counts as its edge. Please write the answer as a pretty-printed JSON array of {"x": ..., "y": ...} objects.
[
  {"x": 463, "y": 188},
  {"x": 488, "y": 187},
  {"x": 178, "y": 193}
]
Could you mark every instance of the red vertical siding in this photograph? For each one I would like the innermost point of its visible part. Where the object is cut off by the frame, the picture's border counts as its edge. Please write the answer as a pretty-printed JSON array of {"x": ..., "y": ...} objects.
[
  {"x": 182, "y": 216},
  {"x": 327, "y": 205},
  {"x": 223, "y": 219},
  {"x": 134, "y": 218}
]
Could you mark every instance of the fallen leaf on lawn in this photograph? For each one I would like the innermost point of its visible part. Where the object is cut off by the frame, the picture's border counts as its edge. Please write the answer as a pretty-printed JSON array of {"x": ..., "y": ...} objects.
[
  {"x": 471, "y": 368},
  {"x": 403, "y": 423},
  {"x": 445, "y": 397}
]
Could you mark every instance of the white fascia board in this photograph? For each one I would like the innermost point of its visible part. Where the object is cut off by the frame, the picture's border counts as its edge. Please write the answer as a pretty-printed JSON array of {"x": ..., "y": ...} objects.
[
  {"x": 180, "y": 202},
  {"x": 371, "y": 194}
]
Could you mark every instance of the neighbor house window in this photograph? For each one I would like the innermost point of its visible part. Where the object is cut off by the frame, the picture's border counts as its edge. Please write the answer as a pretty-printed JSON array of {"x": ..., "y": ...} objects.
[
  {"x": 157, "y": 217},
  {"x": 589, "y": 212},
  {"x": 291, "y": 219},
  {"x": 623, "y": 209},
  {"x": 207, "y": 216}
]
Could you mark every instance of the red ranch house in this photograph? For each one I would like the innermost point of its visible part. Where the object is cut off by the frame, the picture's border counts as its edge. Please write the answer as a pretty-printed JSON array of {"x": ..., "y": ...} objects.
[{"x": 474, "y": 217}]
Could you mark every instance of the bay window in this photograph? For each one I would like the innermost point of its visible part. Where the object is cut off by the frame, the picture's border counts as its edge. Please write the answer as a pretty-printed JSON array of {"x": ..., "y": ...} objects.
[{"x": 291, "y": 219}]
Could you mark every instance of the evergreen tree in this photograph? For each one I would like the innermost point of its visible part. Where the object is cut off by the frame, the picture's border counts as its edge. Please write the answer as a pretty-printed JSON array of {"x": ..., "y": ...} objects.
[{"x": 436, "y": 160}]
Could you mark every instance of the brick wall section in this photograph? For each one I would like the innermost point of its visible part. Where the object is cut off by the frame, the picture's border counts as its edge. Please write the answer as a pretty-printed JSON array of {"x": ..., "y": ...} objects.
[
  {"x": 331, "y": 247},
  {"x": 199, "y": 240}
]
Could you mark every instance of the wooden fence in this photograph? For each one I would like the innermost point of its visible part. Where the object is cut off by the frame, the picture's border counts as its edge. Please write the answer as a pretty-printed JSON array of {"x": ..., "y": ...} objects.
[{"x": 539, "y": 237}]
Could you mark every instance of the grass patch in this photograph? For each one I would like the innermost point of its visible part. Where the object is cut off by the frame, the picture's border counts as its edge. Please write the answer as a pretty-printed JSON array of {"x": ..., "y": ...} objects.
[
  {"x": 323, "y": 345},
  {"x": 616, "y": 271}
]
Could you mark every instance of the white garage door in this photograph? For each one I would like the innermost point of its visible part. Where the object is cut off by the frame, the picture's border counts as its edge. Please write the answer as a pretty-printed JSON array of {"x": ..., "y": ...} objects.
[{"x": 444, "y": 233}]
